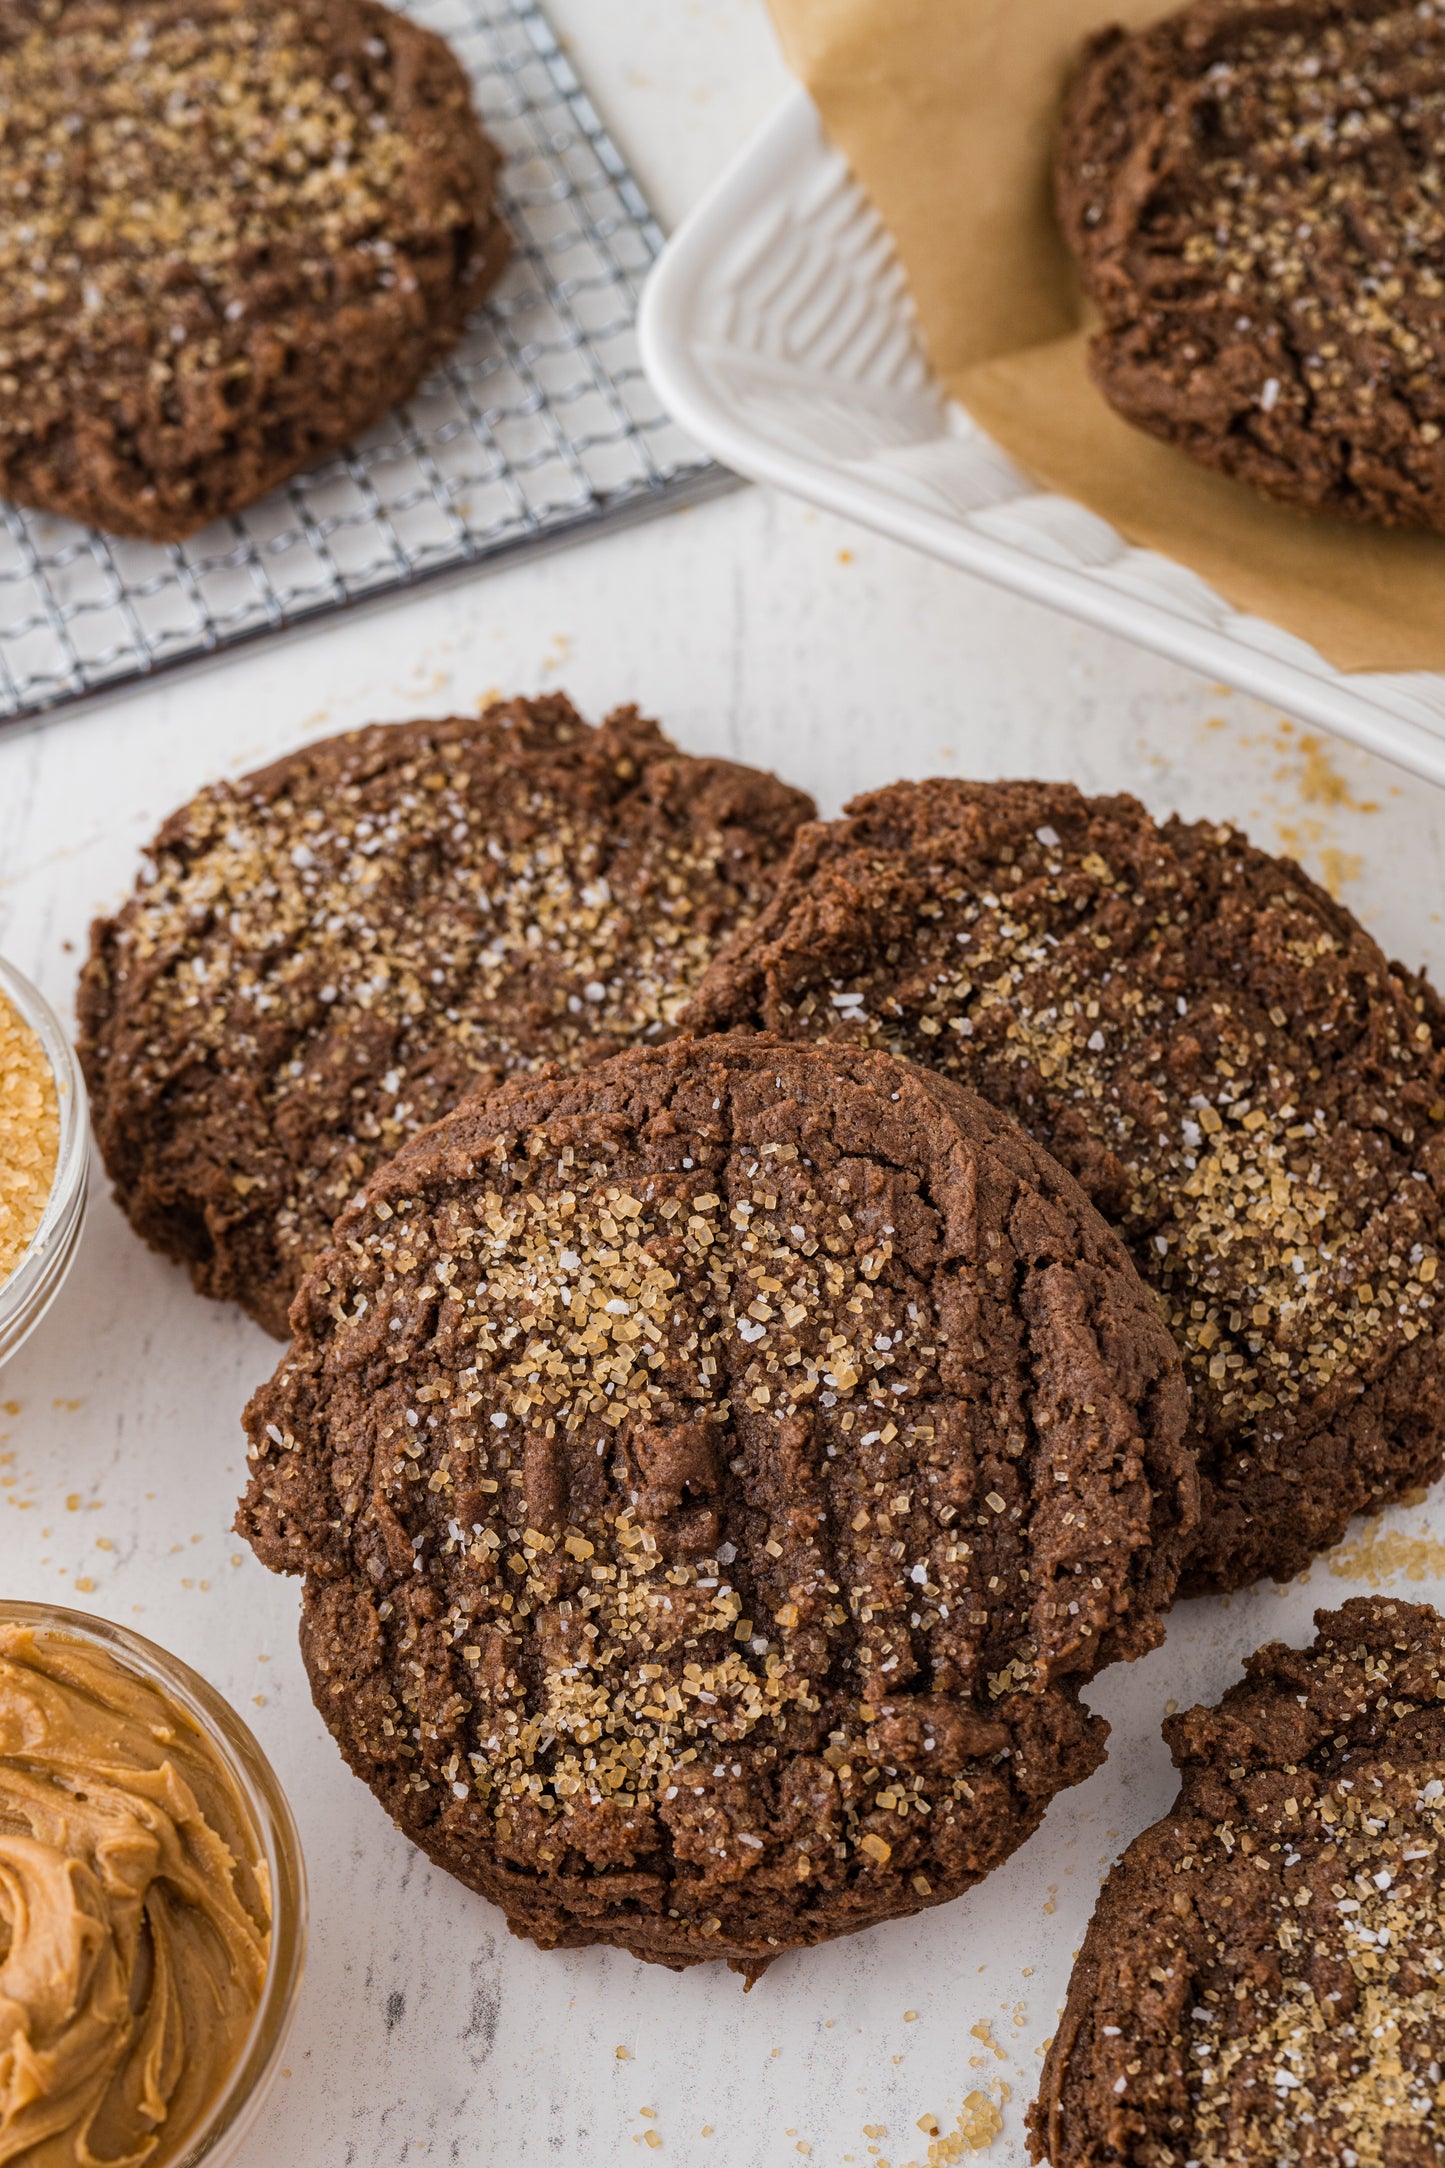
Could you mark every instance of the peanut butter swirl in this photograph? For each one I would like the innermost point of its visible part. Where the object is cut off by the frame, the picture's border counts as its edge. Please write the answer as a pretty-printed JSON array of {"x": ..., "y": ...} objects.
[{"x": 134, "y": 1912}]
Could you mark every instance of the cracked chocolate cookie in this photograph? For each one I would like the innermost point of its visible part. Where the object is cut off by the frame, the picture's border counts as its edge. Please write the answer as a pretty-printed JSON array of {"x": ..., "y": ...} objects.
[
  {"x": 1256, "y": 197},
  {"x": 231, "y": 238},
  {"x": 1264, "y": 1977},
  {"x": 1224, "y": 1059},
  {"x": 714, "y": 1475},
  {"x": 322, "y": 957}
]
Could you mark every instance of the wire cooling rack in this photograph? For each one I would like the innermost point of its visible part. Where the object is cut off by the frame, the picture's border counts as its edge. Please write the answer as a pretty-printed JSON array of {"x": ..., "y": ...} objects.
[{"x": 541, "y": 428}]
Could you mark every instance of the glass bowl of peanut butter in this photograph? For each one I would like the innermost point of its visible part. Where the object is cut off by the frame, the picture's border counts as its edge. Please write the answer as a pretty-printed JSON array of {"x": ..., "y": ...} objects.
[{"x": 152, "y": 1904}]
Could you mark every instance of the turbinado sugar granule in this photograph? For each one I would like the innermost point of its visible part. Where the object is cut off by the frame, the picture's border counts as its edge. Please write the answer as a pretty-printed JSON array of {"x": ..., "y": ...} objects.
[{"x": 29, "y": 1135}]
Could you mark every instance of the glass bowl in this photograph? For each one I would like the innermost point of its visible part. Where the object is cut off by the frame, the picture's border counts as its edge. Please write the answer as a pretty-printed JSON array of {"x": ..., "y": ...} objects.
[
  {"x": 37, "y": 1279},
  {"x": 218, "y": 2139}
]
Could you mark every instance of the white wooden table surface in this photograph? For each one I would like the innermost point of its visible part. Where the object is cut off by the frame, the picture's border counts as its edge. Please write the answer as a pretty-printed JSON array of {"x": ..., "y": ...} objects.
[{"x": 759, "y": 629}]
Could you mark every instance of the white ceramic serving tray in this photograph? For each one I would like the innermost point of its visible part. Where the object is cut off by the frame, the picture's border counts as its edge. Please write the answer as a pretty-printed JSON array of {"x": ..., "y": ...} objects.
[{"x": 777, "y": 328}]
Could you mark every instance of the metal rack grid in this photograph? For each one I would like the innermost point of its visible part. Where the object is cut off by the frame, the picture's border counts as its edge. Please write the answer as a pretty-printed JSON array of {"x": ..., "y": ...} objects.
[{"x": 541, "y": 428}]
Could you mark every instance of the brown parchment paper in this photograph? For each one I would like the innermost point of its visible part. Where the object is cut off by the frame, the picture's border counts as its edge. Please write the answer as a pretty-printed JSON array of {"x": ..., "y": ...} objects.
[{"x": 945, "y": 110}]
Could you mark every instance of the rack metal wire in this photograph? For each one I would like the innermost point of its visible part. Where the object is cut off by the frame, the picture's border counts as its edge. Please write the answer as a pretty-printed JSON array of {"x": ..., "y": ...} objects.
[{"x": 540, "y": 429}]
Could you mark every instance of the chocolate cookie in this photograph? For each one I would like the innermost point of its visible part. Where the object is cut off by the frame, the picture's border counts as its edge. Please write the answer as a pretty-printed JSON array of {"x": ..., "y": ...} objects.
[
  {"x": 1254, "y": 194},
  {"x": 1223, "y": 1058},
  {"x": 714, "y": 1476},
  {"x": 322, "y": 957},
  {"x": 230, "y": 238},
  {"x": 1264, "y": 1977}
]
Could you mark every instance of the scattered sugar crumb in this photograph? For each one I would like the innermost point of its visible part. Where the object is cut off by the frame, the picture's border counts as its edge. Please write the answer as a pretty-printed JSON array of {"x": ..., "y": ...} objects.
[
  {"x": 1303, "y": 839},
  {"x": 1383, "y": 1554},
  {"x": 979, "y": 2123},
  {"x": 1320, "y": 781}
]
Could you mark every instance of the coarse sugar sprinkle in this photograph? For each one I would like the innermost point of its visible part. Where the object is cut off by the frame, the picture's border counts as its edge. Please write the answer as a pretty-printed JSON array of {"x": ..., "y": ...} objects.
[{"x": 29, "y": 1135}]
